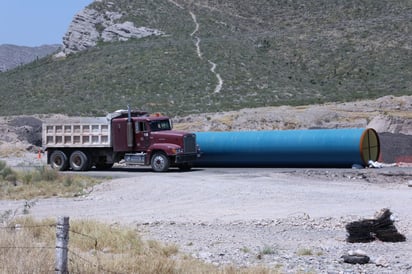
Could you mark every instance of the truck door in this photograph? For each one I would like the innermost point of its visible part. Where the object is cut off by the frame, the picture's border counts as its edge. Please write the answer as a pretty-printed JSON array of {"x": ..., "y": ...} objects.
[{"x": 142, "y": 136}]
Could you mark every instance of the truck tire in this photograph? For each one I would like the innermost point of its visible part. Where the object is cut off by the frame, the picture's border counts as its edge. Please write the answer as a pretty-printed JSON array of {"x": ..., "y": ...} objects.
[
  {"x": 160, "y": 162},
  {"x": 79, "y": 161},
  {"x": 58, "y": 160}
]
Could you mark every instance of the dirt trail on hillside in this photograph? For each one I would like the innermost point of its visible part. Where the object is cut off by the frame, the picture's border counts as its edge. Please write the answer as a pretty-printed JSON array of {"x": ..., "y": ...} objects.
[{"x": 219, "y": 85}]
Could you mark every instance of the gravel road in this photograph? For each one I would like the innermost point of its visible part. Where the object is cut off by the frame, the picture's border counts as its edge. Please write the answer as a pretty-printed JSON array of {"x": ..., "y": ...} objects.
[{"x": 290, "y": 219}]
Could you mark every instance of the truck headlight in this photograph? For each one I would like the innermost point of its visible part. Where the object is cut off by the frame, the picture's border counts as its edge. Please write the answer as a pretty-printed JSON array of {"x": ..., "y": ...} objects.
[{"x": 177, "y": 150}]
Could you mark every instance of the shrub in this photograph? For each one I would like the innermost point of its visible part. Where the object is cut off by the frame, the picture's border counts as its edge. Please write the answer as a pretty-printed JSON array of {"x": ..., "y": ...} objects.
[
  {"x": 305, "y": 252},
  {"x": 7, "y": 174},
  {"x": 267, "y": 250},
  {"x": 46, "y": 174},
  {"x": 2, "y": 165}
]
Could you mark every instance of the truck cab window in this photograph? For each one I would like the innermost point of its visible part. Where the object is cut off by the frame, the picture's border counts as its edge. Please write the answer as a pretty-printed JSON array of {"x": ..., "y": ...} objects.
[
  {"x": 140, "y": 126},
  {"x": 160, "y": 125}
]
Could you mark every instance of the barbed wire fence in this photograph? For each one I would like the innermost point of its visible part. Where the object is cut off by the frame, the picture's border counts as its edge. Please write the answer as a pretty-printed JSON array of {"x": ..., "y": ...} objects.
[{"x": 61, "y": 247}]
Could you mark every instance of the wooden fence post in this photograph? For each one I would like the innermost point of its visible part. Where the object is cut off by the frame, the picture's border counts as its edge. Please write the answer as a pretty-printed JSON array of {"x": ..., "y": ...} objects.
[{"x": 62, "y": 242}]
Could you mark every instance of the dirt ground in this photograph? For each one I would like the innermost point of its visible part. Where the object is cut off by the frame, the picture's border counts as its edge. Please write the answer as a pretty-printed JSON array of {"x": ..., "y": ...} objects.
[
  {"x": 289, "y": 219},
  {"x": 286, "y": 218}
]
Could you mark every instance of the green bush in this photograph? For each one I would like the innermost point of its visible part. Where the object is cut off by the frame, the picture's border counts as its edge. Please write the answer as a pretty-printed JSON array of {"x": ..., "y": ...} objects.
[
  {"x": 12, "y": 178},
  {"x": 68, "y": 181},
  {"x": 6, "y": 173},
  {"x": 2, "y": 165},
  {"x": 45, "y": 173},
  {"x": 27, "y": 178}
]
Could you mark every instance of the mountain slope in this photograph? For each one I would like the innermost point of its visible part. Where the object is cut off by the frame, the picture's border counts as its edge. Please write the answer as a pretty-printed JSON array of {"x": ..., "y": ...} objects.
[
  {"x": 12, "y": 56},
  {"x": 224, "y": 55}
]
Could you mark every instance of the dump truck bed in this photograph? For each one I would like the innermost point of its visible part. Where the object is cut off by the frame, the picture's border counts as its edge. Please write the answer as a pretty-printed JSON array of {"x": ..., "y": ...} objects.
[{"x": 77, "y": 132}]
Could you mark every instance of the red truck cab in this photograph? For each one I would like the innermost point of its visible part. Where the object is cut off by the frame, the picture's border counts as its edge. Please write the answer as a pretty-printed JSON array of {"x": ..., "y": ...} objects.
[{"x": 145, "y": 139}]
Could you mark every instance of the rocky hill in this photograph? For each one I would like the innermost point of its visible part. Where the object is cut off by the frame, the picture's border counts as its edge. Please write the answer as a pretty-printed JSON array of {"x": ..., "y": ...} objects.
[
  {"x": 386, "y": 114},
  {"x": 12, "y": 56},
  {"x": 210, "y": 56}
]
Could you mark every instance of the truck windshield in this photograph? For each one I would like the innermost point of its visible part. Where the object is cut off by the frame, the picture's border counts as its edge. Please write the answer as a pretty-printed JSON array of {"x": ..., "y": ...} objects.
[{"x": 160, "y": 125}]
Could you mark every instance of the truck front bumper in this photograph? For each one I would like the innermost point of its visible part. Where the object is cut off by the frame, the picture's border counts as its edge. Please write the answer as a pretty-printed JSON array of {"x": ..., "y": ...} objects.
[{"x": 186, "y": 158}]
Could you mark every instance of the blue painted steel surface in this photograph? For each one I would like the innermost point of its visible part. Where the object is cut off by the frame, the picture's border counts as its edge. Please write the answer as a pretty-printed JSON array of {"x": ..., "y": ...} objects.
[{"x": 295, "y": 148}]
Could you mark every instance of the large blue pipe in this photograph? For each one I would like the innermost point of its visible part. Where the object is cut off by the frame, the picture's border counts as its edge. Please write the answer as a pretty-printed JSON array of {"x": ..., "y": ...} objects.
[{"x": 289, "y": 148}]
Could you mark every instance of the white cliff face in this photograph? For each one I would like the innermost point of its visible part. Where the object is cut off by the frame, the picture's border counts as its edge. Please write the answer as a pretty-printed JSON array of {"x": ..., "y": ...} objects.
[
  {"x": 91, "y": 26},
  {"x": 82, "y": 32}
]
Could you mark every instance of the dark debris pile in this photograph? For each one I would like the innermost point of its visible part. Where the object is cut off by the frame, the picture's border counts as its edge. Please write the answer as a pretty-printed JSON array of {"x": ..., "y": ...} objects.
[
  {"x": 27, "y": 129},
  {"x": 368, "y": 230}
]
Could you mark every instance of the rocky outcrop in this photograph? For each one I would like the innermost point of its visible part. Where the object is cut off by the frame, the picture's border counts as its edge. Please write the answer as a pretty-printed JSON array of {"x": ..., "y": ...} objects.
[
  {"x": 386, "y": 114},
  {"x": 392, "y": 124},
  {"x": 91, "y": 26},
  {"x": 125, "y": 31}
]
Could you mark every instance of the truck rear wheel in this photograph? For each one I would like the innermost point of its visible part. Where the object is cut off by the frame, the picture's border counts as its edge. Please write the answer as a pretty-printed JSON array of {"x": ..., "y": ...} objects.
[
  {"x": 79, "y": 161},
  {"x": 160, "y": 162},
  {"x": 58, "y": 160}
]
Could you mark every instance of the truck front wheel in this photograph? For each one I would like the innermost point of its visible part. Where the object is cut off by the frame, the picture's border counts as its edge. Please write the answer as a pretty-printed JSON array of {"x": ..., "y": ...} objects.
[
  {"x": 160, "y": 162},
  {"x": 58, "y": 160},
  {"x": 79, "y": 161}
]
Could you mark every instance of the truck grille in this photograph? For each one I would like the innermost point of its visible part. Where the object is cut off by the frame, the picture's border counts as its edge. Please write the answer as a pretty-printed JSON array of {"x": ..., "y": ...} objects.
[{"x": 189, "y": 143}]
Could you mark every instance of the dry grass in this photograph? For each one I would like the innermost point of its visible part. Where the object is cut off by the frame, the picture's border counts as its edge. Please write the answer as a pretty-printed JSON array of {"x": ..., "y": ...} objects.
[
  {"x": 27, "y": 250},
  {"x": 41, "y": 182},
  {"x": 27, "y": 246},
  {"x": 7, "y": 150}
]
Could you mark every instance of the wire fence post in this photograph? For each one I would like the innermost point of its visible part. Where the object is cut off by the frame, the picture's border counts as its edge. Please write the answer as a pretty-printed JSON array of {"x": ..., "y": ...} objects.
[{"x": 62, "y": 242}]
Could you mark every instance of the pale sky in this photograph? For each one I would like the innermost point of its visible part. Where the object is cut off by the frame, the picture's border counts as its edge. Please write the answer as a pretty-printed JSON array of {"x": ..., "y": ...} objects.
[{"x": 37, "y": 22}]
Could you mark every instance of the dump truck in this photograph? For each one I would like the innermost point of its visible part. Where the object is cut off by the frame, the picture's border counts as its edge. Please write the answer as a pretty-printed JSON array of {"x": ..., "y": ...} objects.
[{"x": 124, "y": 136}]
